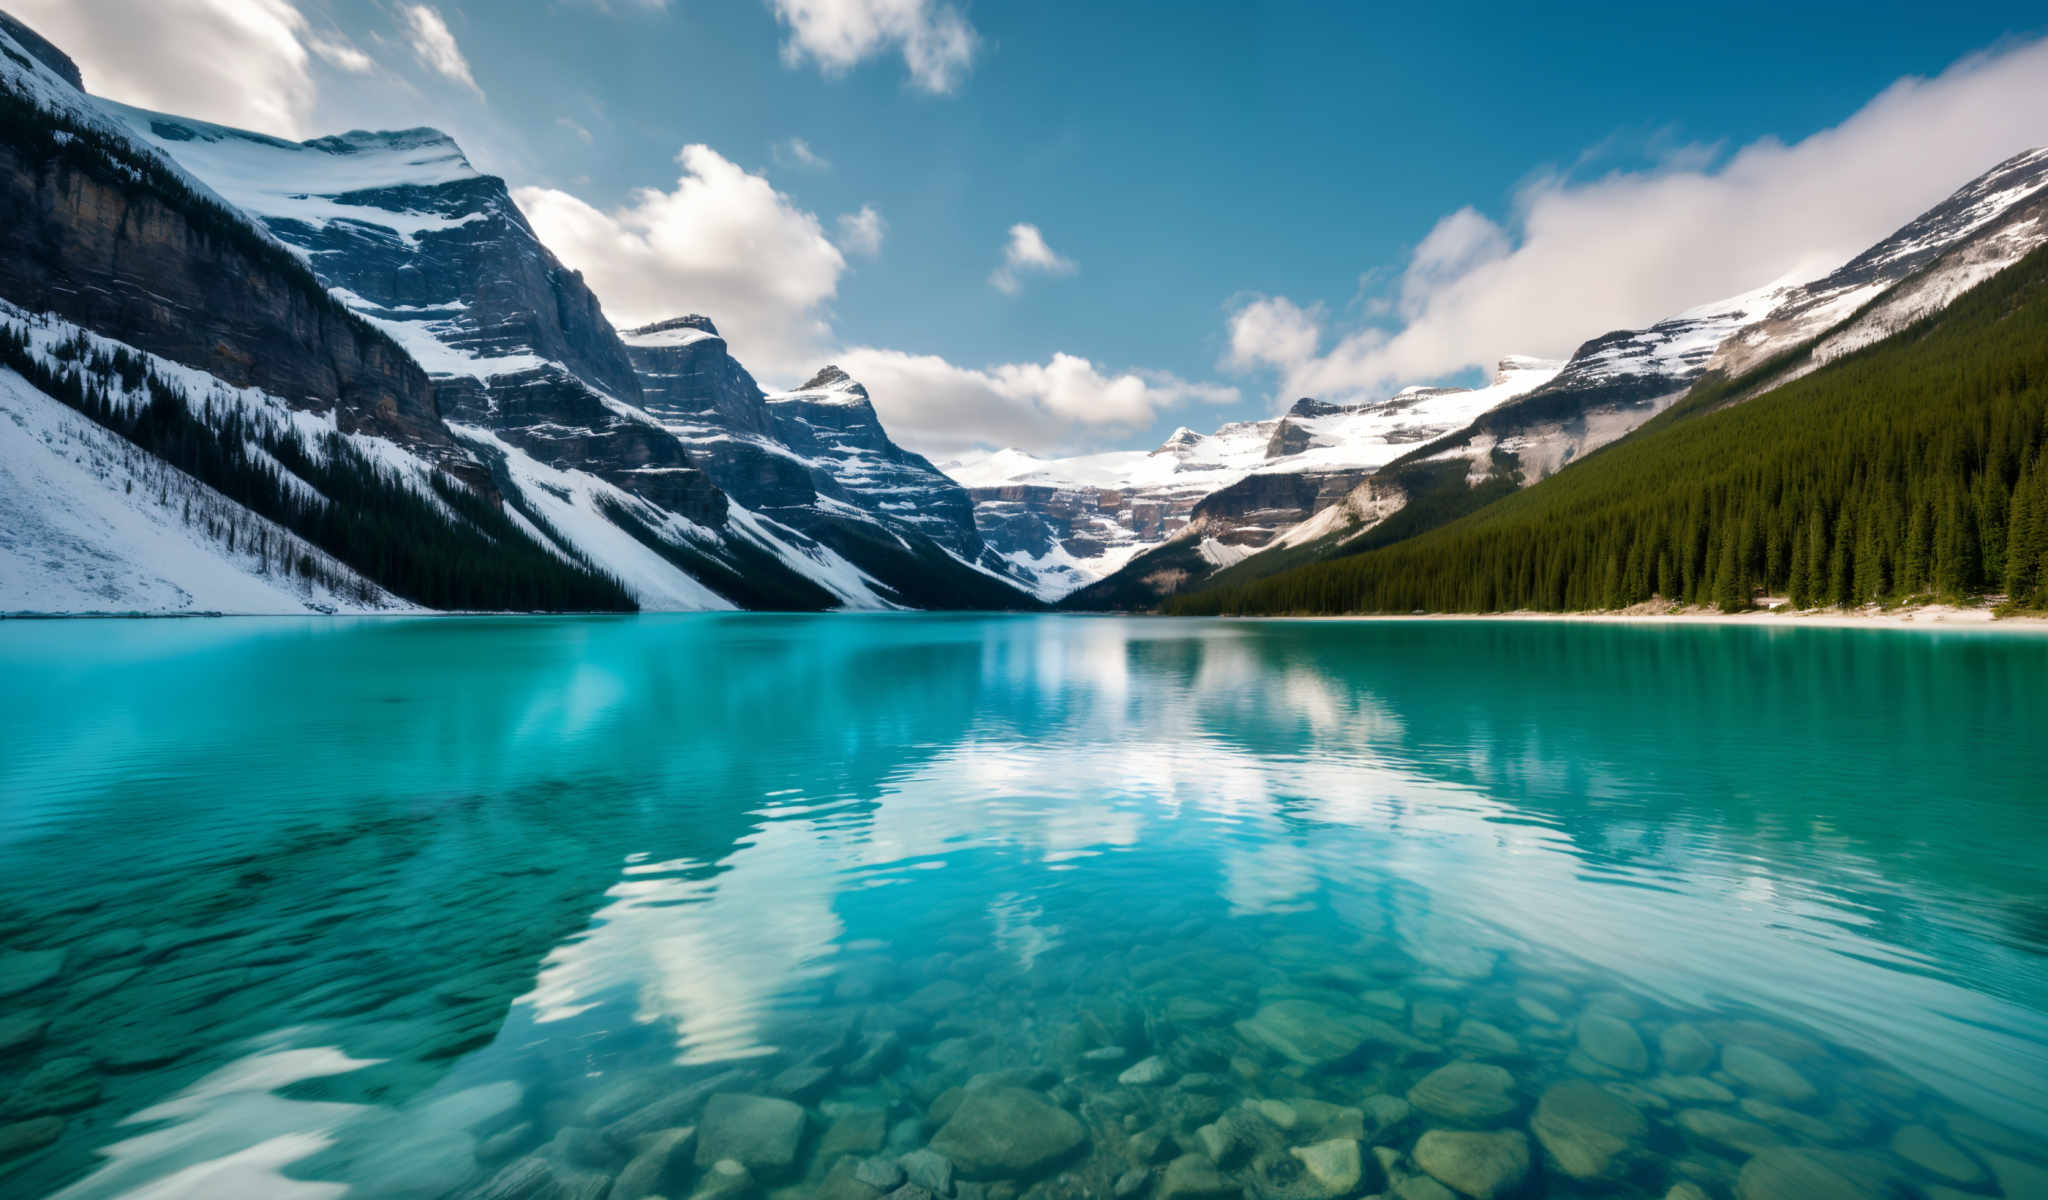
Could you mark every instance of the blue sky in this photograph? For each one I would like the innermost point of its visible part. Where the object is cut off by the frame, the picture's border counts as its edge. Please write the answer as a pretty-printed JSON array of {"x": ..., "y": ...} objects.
[{"x": 1244, "y": 200}]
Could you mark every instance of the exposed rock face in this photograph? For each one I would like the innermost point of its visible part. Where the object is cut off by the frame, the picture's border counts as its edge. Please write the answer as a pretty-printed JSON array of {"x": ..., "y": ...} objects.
[
  {"x": 170, "y": 272},
  {"x": 439, "y": 255},
  {"x": 42, "y": 51}
]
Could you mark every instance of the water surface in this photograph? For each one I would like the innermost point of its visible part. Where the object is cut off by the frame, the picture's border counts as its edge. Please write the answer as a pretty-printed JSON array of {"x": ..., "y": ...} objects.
[{"x": 399, "y": 907}]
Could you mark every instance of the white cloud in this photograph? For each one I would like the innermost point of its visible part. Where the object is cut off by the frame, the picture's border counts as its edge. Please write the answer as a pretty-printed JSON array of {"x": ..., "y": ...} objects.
[
  {"x": 236, "y": 62},
  {"x": 796, "y": 152},
  {"x": 339, "y": 52},
  {"x": 430, "y": 38},
  {"x": 723, "y": 242},
  {"x": 1274, "y": 331},
  {"x": 1579, "y": 258},
  {"x": 1027, "y": 253},
  {"x": 726, "y": 243},
  {"x": 576, "y": 127},
  {"x": 1057, "y": 405},
  {"x": 861, "y": 232},
  {"x": 937, "y": 43}
]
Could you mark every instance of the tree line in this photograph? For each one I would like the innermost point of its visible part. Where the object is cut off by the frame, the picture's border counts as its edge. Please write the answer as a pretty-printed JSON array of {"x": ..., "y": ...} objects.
[{"x": 1914, "y": 469}]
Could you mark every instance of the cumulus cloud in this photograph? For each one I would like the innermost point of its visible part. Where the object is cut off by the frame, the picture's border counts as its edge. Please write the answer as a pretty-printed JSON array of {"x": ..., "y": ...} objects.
[
  {"x": 237, "y": 62},
  {"x": 1577, "y": 258},
  {"x": 796, "y": 152},
  {"x": 1027, "y": 253},
  {"x": 430, "y": 38},
  {"x": 1274, "y": 331},
  {"x": 861, "y": 232},
  {"x": 723, "y": 241},
  {"x": 1057, "y": 405},
  {"x": 936, "y": 42}
]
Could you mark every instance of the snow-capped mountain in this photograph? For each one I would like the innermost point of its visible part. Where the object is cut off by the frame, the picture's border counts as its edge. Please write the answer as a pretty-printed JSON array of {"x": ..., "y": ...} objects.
[
  {"x": 1071, "y": 521},
  {"x": 380, "y": 277},
  {"x": 1610, "y": 387}
]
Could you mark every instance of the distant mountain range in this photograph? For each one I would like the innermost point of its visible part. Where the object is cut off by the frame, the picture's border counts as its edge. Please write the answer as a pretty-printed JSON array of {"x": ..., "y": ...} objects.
[{"x": 250, "y": 374}]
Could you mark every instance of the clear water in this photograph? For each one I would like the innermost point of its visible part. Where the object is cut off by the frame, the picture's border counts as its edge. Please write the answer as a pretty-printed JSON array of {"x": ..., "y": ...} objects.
[{"x": 405, "y": 908}]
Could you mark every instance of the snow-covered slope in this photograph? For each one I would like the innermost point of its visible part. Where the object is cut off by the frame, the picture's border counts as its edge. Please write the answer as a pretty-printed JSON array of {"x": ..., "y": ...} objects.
[
  {"x": 412, "y": 237},
  {"x": 89, "y": 522},
  {"x": 1070, "y": 521}
]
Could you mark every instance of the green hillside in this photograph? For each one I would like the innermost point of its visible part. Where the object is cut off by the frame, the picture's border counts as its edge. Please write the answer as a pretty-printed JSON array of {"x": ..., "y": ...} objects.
[{"x": 1918, "y": 466}]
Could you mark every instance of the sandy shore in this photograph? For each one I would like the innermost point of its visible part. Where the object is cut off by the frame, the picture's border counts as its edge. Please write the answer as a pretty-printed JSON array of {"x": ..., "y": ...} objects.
[{"x": 1945, "y": 617}]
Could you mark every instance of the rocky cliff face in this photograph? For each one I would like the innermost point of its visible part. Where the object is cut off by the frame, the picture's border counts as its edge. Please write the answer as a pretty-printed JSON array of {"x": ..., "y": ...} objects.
[
  {"x": 440, "y": 258},
  {"x": 96, "y": 231}
]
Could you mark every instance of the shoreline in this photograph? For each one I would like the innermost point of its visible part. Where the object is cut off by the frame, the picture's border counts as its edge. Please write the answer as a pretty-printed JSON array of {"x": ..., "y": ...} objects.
[{"x": 1931, "y": 617}]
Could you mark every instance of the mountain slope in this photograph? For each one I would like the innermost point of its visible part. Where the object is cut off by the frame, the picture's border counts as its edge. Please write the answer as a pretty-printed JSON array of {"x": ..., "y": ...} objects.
[
  {"x": 1068, "y": 523},
  {"x": 1630, "y": 380},
  {"x": 1915, "y": 465},
  {"x": 535, "y": 379},
  {"x": 229, "y": 381},
  {"x": 819, "y": 461}
]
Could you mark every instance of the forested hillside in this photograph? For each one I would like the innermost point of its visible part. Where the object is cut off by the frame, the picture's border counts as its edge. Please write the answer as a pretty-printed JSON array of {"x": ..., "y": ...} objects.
[{"x": 1917, "y": 467}]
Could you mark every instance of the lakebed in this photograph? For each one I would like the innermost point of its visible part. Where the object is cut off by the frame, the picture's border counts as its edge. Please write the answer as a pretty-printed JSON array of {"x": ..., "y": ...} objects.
[{"x": 1048, "y": 907}]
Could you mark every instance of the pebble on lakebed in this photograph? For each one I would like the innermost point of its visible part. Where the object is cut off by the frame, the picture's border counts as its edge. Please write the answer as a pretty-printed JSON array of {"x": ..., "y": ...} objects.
[{"x": 1268, "y": 1066}]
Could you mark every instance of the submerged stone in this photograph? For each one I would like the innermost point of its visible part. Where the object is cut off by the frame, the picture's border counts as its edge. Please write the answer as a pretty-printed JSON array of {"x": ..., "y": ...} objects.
[
  {"x": 1466, "y": 1093},
  {"x": 1481, "y": 1165},
  {"x": 1684, "y": 1049},
  {"x": 26, "y": 1137},
  {"x": 1004, "y": 1133},
  {"x": 758, "y": 1132},
  {"x": 929, "y": 1170},
  {"x": 1336, "y": 1166},
  {"x": 1192, "y": 1177},
  {"x": 1586, "y": 1131},
  {"x": 1613, "y": 1042},
  {"x": 1146, "y": 1072},
  {"x": 1317, "y": 1035},
  {"x": 1936, "y": 1155},
  {"x": 661, "y": 1163},
  {"x": 1765, "y": 1072},
  {"x": 20, "y": 1032},
  {"x": 1727, "y": 1131},
  {"x": 1786, "y": 1173},
  {"x": 1693, "y": 1089}
]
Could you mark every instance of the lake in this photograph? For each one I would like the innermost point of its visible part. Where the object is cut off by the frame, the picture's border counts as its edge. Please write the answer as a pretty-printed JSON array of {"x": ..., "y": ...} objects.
[{"x": 1020, "y": 907}]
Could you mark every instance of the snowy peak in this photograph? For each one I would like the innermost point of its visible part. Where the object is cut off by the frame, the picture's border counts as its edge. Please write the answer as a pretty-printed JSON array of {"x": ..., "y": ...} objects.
[
  {"x": 676, "y": 331},
  {"x": 829, "y": 386},
  {"x": 42, "y": 51},
  {"x": 1180, "y": 441}
]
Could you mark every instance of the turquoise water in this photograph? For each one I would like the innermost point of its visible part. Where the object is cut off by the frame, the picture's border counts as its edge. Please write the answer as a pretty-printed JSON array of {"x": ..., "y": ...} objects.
[{"x": 1045, "y": 907}]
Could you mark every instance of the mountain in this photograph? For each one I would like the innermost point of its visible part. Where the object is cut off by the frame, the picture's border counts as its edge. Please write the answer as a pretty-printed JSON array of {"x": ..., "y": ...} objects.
[
  {"x": 1912, "y": 465},
  {"x": 1619, "y": 382},
  {"x": 379, "y": 278},
  {"x": 818, "y": 460},
  {"x": 1066, "y": 523},
  {"x": 192, "y": 422}
]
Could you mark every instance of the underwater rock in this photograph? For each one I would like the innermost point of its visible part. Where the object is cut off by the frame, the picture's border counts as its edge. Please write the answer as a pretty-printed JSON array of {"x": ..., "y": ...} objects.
[
  {"x": 1728, "y": 1131},
  {"x": 663, "y": 1160},
  {"x": 1146, "y": 1072},
  {"x": 928, "y": 1170},
  {"x": 1692, "y": 1089},
  {"x": 1481, "y": 1165},
  {"x": 1936, "y": 1155},
  {"x": 1586, "y": 1131},
  {"x": 1007, "y": 1132},
  {"x": 1764, "y": 1072},
  {"x": 1613, "y": 1042},
  {"x": 758, "y": 1132},
  {"x": 1684, "y": 1050},
  {"x": 1786, "y": 1173},
  {"x": 1466, "y": 1093},
  {"x": 1192, "y": 1177},
  {"x": 27, "y": 1137},
  {"x": 1336, "y": 1165},
  {"x": 879, "y": 1174},
  {"x": 1317, "y": 1035}
]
